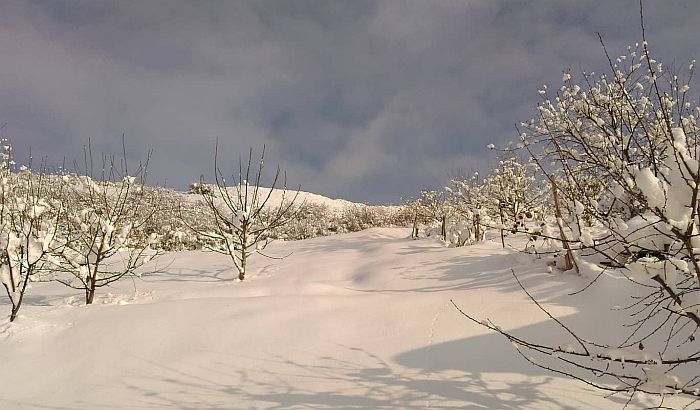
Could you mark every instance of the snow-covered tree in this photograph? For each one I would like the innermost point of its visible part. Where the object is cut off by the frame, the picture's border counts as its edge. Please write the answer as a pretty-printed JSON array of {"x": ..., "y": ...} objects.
[
  {"x": 244, "y": 214},
  {"x": 469, "y": 201},
  {"x": 412, "y": 212},
  {"x": 437, "y": 207},
  {"x": 103, "y": 241},
  {"x": 621, "y": 152},
  {"x": 28, "y": 228},
  {"x": 515, "y": 196}
]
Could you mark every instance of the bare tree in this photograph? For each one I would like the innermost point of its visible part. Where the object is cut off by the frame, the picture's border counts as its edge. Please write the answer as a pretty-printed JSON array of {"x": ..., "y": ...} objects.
[{"x": 244, "y": 214}]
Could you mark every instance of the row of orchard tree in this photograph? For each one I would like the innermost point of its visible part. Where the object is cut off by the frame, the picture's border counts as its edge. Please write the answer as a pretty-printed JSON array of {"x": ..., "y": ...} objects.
[
  {"x": 612, "y": 167},
  {"x": 87, "y": 229},
  {"x": 609, "y": 168},
  {"x": 510, "y": 199},
  {"x": 82, "y": 232},
  {"x": 611, "y": 177}
]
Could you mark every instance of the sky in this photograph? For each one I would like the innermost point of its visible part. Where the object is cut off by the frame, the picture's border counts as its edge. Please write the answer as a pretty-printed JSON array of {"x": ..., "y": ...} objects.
[{"x": 369, "y": 101}]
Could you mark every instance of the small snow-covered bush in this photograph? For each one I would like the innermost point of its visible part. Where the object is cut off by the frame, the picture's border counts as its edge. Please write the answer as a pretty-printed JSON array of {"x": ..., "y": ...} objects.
[
  {"x": 200, "y": 188},
  {"x": 310, "y": 220}
]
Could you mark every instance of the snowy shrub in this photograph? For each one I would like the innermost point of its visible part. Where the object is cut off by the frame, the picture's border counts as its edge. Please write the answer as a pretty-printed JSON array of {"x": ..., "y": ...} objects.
[
  {"x": 310, "y": 220},
  {"x": 168, "y": 228},
  {"x": 358, "y": 217},
  {"x": 515, "y": 197},
  {"x": 200, "y": 188}
]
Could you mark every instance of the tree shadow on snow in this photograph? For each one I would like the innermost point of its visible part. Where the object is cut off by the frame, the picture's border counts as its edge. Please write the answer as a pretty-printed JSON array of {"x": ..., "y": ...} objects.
[
  {"x": 29, "y": 300},
  {"x": 214, "y": 274},
  {"x": 480, "y": 372},
  {"x": 471, "y": 272},
  {"x": 457, "y": 374}
]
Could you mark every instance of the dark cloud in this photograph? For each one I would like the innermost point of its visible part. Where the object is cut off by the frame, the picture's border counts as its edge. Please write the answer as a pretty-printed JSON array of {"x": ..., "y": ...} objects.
[{"x": 368, "y": 100}]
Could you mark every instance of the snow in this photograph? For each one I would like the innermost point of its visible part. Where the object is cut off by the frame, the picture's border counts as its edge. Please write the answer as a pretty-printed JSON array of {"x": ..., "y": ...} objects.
[
  {"x": 361, "y": 320},
  {"x": 279, "y": 194},
  {"x": 656, "y": 382},
  {"x": 652, "y": 188},
  {"x": 586, "y": 237}
]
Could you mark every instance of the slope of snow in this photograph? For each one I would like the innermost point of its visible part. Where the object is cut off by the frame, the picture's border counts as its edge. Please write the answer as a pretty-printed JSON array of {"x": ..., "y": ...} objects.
[
  {"x": 361, "y": 320},
  {"x": 279, "y": 194},
  {"x": 305, "y": 197}
]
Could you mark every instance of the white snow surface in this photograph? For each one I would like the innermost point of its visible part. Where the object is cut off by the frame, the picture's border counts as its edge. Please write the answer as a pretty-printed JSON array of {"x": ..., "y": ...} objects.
[
  {"x": 279, "y": 194},
  {"x": 303, "y": 197},
  {"x": 361, "y": 320}
]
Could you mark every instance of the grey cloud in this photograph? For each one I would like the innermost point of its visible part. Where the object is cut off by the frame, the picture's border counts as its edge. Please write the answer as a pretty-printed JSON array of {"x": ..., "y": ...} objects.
[{"x": 368, "y": 100}]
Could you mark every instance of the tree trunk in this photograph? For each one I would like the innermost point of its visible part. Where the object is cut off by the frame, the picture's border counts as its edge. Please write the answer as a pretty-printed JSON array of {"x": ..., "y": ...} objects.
[
  {"x": 569, "y": 261},
  {"x": 244, "y": 263},
  {"x": 503, "y": 240},
  {"x": 91, "y": 286},
  {"x": 13, "y": 315},
  {"x": 18, "y": 304},
  {"x": 477, "y": 227},
  {"x": 443, "y": 228},
  {"x": 414, "y": 231},
  {"x": 244, "y": 249},
  {"x": 92, "y": 282},
  {"x": 90, "y": 292}
]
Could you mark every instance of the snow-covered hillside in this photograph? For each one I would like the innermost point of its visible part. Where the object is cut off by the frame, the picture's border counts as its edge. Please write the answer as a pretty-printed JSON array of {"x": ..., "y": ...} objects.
[
  {"x": 305, "y": 197},
  {"x": 280, "y": 195},
  {"x": 361, "y": 320}
]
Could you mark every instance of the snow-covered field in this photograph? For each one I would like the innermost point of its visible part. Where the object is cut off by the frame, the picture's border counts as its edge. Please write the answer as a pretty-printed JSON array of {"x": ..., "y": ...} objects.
[{"x": 361, "y": 320}]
